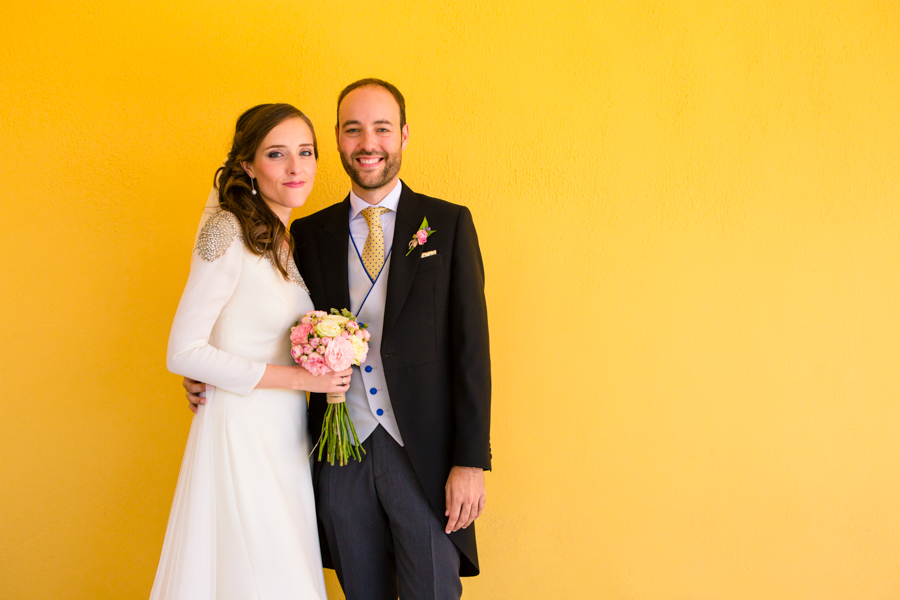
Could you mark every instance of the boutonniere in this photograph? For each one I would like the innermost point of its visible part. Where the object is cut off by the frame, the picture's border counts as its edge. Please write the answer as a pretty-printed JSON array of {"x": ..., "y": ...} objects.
[{"x": 421, "y": 236}]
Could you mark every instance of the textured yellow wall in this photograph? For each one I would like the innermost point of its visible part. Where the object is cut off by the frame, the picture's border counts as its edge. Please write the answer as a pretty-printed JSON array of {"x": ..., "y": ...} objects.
[{"x": 707, "y": 195}]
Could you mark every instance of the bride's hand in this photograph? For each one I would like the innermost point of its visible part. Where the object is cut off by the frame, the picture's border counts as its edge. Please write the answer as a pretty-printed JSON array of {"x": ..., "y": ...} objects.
[{"x": 334, "y": 382}]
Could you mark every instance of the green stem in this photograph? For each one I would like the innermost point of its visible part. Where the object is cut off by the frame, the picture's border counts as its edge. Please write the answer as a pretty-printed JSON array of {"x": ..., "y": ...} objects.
[
  {"x": 338, "y": 427},
  {"x": 323, "y": 436},
  {"x": 356, "y": 441}
]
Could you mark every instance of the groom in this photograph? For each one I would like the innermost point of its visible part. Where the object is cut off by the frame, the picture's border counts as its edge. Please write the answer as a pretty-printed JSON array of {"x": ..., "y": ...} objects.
[
  {"x": 421, "y": 401},
  {"x": 403, "y": 516}
]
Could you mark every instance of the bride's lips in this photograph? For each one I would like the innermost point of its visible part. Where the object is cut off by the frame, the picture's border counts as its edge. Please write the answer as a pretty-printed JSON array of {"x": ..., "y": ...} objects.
[{"x": 295, "y": 184}]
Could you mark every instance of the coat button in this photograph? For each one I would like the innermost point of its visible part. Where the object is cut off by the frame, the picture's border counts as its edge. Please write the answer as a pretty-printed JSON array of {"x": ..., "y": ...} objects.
[
  {"x": 373, "y": 391},
  {"x": 368, "y": 369},
  {"x": 379, "y": 412}
]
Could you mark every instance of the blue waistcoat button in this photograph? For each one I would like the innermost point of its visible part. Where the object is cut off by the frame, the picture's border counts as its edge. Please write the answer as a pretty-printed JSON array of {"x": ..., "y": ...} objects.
[
  {"x": 373, "y": 391},
  {"x": 379, "y": 412},
  {"x": 368, "y": 368}
]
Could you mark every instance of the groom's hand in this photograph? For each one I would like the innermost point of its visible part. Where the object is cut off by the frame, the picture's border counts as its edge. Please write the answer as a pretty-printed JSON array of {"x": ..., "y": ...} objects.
[
  {"x": 196, "y": 393},
  {"x": 465, "y": 497}
]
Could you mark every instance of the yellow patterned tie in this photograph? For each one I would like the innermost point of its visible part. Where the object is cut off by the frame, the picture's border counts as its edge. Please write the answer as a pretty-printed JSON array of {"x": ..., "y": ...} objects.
[{"x": 373, "y": 251}]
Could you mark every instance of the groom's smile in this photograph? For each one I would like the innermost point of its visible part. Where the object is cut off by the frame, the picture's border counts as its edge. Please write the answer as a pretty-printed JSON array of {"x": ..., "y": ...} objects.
[
  {"x": 369, "y": 161},
  {"x": 365, "y": 160}
]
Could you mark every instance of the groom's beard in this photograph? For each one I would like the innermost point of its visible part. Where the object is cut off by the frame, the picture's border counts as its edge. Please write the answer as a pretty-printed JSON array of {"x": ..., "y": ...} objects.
[{"x": 372, "y": 180}]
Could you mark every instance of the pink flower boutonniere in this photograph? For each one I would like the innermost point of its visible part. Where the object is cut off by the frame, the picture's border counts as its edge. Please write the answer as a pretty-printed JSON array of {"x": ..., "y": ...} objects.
[{"x": 421, "y": 236}]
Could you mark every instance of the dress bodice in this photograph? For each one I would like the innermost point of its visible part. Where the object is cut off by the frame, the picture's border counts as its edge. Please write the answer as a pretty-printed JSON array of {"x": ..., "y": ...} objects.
[
  {"x": 256, "y": 320},
  {"x": 236, "y": 311}
]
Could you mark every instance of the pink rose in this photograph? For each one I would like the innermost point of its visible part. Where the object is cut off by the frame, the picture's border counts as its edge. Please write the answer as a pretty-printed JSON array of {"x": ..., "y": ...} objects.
[
  {"x": 306, "y": 320},
  {"x": 300, "y": 333},
  {"x": 296, "y": 352},
  {"x": 319, "y": 313},
  {"x": 421, "y": 236},
  {"x": 324, "y": 341},
  {"x": 352, "y": 325},
  {"x": 367, "y": 335},
  {"x": 344, "y": 335},
  {"x": 320, "y": 349},
  {"x": 359, "y": 333},
  {"x": 315, "y": 364},
  {"x": 339, "y": 355},
  {"x": 314, "y": 341},
  {"x": 307, "y": 349}
]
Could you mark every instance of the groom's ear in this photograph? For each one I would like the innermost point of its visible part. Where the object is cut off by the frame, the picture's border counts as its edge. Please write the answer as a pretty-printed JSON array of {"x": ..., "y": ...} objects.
[
  {"x": 248, "y": 169},
  {"x": 404, "y": 136}
]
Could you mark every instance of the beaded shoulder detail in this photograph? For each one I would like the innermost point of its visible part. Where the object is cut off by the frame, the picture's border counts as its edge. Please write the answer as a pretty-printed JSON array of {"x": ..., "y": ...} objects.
[
  {"x": 291, "y": 267},
  {"x": 217, "y": 235}
]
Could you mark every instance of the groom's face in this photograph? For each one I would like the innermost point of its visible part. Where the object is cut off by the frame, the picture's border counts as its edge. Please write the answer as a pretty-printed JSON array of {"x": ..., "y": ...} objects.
[{"x": 370, "y": 139}]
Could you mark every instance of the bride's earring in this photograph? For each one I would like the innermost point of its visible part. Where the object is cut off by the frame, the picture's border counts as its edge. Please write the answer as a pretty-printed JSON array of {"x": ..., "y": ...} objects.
[{"x": 252, "y": 185}]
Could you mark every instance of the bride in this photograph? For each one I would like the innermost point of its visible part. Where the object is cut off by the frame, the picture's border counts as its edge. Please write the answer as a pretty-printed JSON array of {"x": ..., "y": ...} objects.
[{"x": 243, "y": 520}]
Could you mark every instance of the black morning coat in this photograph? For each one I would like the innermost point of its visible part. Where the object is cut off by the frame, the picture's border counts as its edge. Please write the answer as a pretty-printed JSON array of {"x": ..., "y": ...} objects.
[{"x": 435, "y": 347}]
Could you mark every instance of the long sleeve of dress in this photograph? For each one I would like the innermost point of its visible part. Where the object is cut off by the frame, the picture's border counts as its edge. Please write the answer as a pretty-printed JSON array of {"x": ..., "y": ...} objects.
[{"x": 215, "y": 270}]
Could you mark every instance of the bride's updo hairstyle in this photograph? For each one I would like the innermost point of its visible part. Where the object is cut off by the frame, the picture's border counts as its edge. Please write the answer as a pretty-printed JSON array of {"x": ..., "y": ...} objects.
[{"x": 263, "y": 231}]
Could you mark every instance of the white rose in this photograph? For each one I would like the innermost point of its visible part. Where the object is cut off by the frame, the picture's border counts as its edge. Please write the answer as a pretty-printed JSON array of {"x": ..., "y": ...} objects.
[
  {"x": 340, "y": 320},
  {"x": 360, "y": 349},
  {"x": 328, "y": 328}
]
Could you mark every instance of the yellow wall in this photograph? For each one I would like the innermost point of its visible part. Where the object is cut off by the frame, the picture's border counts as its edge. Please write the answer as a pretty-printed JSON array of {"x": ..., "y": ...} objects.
[{"x": 706, "y": 195}]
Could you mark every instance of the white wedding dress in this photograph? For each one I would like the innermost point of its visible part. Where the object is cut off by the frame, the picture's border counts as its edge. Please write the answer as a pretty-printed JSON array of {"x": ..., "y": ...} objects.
[{"x": 243, "y": 521}]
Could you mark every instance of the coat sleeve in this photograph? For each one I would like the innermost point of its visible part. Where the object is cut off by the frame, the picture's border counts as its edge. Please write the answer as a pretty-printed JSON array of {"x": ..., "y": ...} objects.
[
  {"x": 470, "y": 349},
  {"x": 215, "y": 271}
]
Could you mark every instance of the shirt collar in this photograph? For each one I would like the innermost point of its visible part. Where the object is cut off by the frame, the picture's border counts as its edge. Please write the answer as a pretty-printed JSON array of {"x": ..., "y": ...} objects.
[{"x": 390, "y": 201}]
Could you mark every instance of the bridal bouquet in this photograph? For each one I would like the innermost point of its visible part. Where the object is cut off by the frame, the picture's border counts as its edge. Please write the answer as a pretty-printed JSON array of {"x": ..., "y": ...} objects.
[{"x": 322, "y": 343}]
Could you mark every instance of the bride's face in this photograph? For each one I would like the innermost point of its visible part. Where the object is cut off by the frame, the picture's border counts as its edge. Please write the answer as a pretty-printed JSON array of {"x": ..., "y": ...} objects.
[{"x": 284, "y": 167}]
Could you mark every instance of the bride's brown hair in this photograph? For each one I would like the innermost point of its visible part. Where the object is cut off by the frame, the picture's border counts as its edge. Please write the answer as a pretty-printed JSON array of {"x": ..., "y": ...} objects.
[{"x": 263, "y": 231}]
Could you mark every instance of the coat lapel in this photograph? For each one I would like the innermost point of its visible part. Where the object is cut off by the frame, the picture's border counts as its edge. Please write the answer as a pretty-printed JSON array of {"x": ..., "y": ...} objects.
[
  {"x": 403, "y": 267},
  {"x": 334, "y": 238}
]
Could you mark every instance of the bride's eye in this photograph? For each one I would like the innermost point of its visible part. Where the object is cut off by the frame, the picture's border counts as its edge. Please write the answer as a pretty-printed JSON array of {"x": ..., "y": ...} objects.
[
  {"x": 305, "y": 153},
  {"x": 274, "y": 154}
]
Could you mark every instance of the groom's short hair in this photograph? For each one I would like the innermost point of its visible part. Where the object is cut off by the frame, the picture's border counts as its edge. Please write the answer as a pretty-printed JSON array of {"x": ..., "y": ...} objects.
[{"x": 377, "y": 83}]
